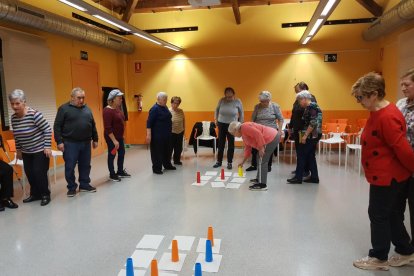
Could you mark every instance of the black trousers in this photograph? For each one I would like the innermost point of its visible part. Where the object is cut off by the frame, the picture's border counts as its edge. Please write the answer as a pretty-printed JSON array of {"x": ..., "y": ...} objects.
[
  {"x": 160, "y": 153},
  {"x": 36, "y": 166},
  {"x": 176, "y": 146},
  {"x": 408, "y": 193},
  {"x": 386, "y": 213},
  {"x": 6, "y": 180},
  {"x": 306, "y": 160},
  {"x": 223, "y": 135}
]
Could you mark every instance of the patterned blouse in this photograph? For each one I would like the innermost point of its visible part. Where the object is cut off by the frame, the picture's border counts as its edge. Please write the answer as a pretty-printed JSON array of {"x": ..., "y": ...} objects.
[
  {"x": 312, "y": 116},
  {"x": 407, "y": 109}
]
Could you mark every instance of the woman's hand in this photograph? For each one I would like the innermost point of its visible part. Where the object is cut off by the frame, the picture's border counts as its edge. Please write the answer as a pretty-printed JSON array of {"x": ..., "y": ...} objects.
[
  {"x": 19, "y": 155},
  {"x": 303, "y": 140},
  {"x": 116, "y": 144},
  {"x": 48, "y": 152},
  {"x": 261, "y": 152},
  {"x": 148, "y": 139}
]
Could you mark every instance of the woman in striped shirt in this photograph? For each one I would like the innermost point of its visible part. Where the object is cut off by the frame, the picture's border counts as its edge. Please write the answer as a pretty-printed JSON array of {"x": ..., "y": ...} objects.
[{"x": 33, "y": 144}]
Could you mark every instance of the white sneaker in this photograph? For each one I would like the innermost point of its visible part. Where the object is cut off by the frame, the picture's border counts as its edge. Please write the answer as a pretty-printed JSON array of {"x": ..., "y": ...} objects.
[
  {"x": 400, "y": 260},
  {"x": 371, "y": 263}
]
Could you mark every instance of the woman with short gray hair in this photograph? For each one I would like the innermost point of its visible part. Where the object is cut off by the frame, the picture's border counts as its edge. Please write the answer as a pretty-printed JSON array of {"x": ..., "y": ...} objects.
[{"x": 33, "y": 136}]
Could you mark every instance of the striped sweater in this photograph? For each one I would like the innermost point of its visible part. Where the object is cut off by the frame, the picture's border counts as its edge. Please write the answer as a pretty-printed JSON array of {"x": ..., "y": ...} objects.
[{"x": 31, "y": 132}]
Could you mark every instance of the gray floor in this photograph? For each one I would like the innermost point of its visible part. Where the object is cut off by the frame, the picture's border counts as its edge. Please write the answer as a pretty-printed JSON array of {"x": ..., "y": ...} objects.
[{"x": 289, "y": 230}]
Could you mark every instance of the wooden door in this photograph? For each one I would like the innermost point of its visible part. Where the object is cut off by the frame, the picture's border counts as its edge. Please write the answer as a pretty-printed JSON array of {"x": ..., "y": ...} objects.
[{"x": 85, "y": 74}]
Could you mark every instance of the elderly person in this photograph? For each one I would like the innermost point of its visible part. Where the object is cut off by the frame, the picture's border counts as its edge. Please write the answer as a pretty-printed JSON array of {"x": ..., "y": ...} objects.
[
  {"x": 309, "y": 136},
  {"x": 406, "y": 106},
  {"x": 113, "y": 119},
  {"x": 387, "y": 159},
  {"x": 263, "y": 138},
  {"x": 159, "y": 127},
  {"x": 266, "y": 113},
  {"x": 228, "y": 109},
  {"x": 6, "y": 186},
  {"x": 33, "y": 136},
  {"x": 178, "y": 128},
  {"x": 75, "y": 131}
]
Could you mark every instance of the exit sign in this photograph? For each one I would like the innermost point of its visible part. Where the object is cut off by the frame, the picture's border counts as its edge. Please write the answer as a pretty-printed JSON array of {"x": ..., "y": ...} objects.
[{"x": 330, "y": 58}]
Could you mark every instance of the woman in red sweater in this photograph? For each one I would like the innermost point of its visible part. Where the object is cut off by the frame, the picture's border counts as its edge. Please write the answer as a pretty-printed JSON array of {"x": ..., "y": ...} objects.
[{"x": 387, "y": 159}]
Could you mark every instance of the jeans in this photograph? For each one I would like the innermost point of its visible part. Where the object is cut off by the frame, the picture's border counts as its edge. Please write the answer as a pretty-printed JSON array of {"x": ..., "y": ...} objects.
[
  {"x": 176, "y": 146},
  {"x": 120, "y": 153},
  {"x": 36, "y": 166},
  {"x": 386, "y": 214},
  {"x": 223, "y": 134},
  {"x": 77, "y": 153},
  {"x": 306, "y": 158}
]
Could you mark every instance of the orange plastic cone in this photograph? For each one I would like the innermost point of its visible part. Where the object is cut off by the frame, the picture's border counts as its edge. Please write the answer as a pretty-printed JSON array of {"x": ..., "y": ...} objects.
[
  {"x": 210, "y": 235},
  {"x": 174, "y": 253},
  {"x": 154, "y": 268}
]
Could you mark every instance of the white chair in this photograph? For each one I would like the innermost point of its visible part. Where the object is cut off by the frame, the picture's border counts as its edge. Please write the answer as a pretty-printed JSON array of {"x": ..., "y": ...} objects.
[
  {"x": 16, "y": 162},
  {"x": 358, "y": 151},
  {"x": 205, "y": 135},
  {"x": 55, "y": 155},
  {"x": 334, "y": 139}
]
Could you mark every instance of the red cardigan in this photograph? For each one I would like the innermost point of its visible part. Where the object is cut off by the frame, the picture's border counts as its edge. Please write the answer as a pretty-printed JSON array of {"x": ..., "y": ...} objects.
[{"x": 386, "y": 153}]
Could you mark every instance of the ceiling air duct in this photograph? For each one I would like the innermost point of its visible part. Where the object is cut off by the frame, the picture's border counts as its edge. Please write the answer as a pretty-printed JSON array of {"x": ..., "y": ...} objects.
[
  {"x": 204, "y": 3},
  {"x": 399, "y": 15},
  {"x": 23, "y": 14}
]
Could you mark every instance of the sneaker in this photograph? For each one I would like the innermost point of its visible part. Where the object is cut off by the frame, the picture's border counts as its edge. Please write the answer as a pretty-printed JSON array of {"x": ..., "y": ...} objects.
[
  {"x": 371, "y": 263},
  {"x": 218, "y": 164},
  {"x": 88, "y": 189},
  {"x": 229, "y": 166},
  {"x": 114, "y": 177},
  {"x": 254, "y": 180},
  {"x": 123, "y": 174},
  {"x": 258, "y": 187},
  {"x": 251, "y": 168},
  {"x": 71, "y": 193},
  {"x": 400, "y": 260}
]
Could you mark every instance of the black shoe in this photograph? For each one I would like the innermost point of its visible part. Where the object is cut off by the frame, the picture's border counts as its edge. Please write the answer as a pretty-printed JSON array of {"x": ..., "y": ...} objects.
[
  {"x": 254, "y": 180},
  {"x": 157, "y": 172},
  {"x": 30, "y": 199},
  {"x": 114, "y": 177},
  {"x": 229, "y": 166},
  {"x": 45, "y": 200},
  {"x": 218, "y": 164},
  {"x": 251, "y": 168},
  {"x": 71, "y": 193},
  {"x": 7, "y": 202},
  {"x": 294, "y": 180},
  {"x": 293, "y": 172},
  {"x": 312, "y": 180},
  {"x": 258, "y": 187},
  {"x": 269, "y": 168},
  {"x": 87, "y": 189},
  {"x": 123, "y": 174},
  {"x": 170, "y": 168},
  {"x": 178, "y": 163}
]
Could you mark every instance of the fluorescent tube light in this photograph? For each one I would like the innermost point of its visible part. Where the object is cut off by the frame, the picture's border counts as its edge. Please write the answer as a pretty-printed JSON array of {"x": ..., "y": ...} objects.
[
  {"x": 147, "y": 38},
  {"x": 171, "y": 48},
  {"x": 111, "y": 22},
  {"x": 316, "y": 26},
  {"x": 73, "y": 5},
  {"x": 306, "y": 40},
  {"x": 328, "y": 7}
]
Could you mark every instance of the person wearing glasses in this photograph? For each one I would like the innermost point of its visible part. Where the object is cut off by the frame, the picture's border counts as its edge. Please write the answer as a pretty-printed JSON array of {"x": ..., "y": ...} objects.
[
  {"x": 266, "y": 113},
  {"x": 387, "y": 159},
  {"x": 178, "y": 128}
]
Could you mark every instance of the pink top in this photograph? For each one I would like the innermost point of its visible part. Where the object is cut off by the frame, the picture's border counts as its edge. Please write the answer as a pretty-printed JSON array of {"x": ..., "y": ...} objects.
[{"x": 256, "y": 136}]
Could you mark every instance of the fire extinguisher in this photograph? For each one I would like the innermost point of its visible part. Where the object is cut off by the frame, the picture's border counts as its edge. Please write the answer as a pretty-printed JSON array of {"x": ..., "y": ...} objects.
[{"x": 139, "y": 101}]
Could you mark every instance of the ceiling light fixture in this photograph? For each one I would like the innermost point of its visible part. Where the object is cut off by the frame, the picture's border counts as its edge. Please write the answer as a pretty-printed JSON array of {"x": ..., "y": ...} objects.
[
  {"x": 85, "y": 7},
  {"x": 321, "y": 14}
]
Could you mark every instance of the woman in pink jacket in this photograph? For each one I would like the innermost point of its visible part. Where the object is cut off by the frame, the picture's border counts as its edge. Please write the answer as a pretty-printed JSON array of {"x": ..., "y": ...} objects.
[{"x": 264, "y": 139}]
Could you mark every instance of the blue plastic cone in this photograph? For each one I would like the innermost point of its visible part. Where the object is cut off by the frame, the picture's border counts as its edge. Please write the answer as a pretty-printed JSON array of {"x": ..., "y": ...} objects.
[
  {"x": 198, "y": 270},
  {"x": 209, "y": 252},
  {"x": 129, "y": 267}
]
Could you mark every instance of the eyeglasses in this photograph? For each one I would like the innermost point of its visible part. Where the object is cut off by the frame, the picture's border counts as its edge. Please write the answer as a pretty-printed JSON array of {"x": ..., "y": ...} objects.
[{"x": 359, "y": 97}]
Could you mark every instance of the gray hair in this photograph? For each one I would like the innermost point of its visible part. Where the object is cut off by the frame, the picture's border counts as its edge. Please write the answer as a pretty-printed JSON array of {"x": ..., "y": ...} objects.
[
  {"x": 17, "y": 94},
  {"x": 76, "y": 90},
  {"x": 265, "y": 95},
  {"x": 234, "y": 126},
  {"x": 304, "y": 94},
  {"x": 162, "y": 95}
]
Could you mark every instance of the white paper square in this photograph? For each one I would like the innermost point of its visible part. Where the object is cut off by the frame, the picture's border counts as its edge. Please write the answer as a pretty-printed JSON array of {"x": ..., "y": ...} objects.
[
  {"x": 137, "y": 272},
  {"x": 162, "y": 273},
  {"x": 237, "y": 174},
  {"x": 221, "y": 180},
  {"x": 166, "y": 264},
  {"x": 209, "y": 267},
  {"x": 218, "y": 184},
  {"x": 228, "y": 173},
  {"x": 213, "y": 173},
  {"x": 233, "y": 186},
  {"x": 202, "y": 183},
  {"x": 201, "y": 247},
  {"x": 238, "y": 180},
  {"x": 184, "y": 242},
  {"x": 150, "y": 241},
  {"x": 143, "y": 258},
  {"x": 206, "y": 177}
]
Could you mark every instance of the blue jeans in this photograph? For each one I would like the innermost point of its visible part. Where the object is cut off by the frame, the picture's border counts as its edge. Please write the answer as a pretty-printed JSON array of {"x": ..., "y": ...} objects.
[
  {"x": 80, "y": 153},
  {"x": 306, "y": 158},
  {"x": 111, "y": 158}
]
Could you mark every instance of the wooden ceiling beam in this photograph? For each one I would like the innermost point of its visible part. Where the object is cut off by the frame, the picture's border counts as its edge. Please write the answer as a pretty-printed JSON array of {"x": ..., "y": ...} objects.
[
  {"x": 236, "y": 11},
  {"x": 372, "y": 7},
  {"x": 129, "y": 10}
]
